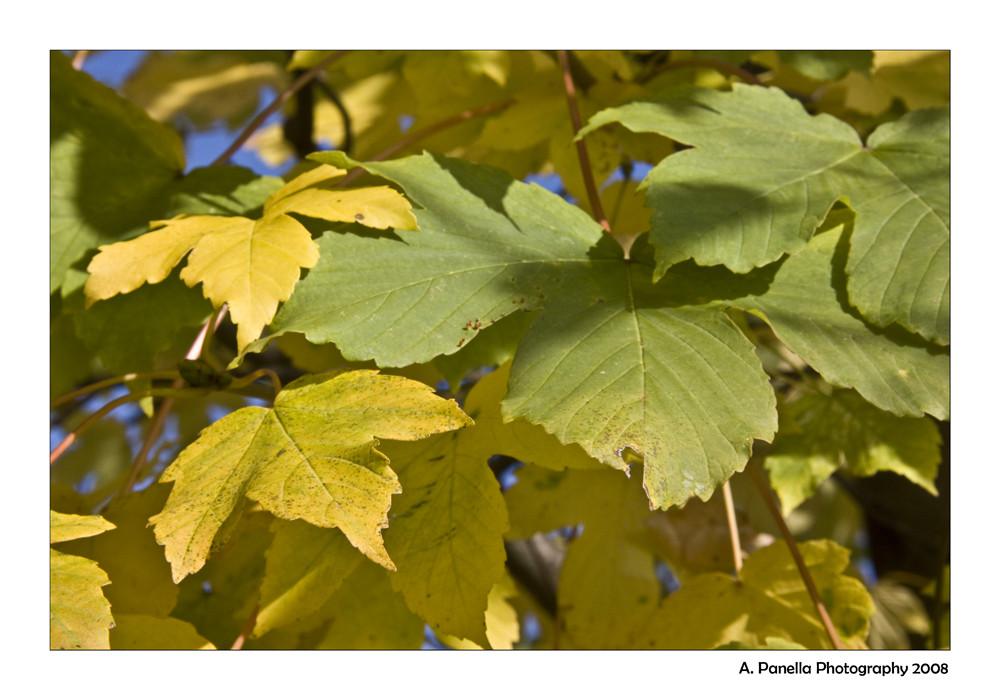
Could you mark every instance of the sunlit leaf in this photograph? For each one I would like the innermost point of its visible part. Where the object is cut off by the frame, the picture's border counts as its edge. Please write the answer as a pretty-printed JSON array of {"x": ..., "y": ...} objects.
[
  {"x": 312, "y": 456},
  {"x": 63, "y": 527},
  {"x": 251, "y": 265},
  {"x": 315, "y": 193},
  {"x": 79, "y": 614},
  {"x": 769, "y": 599}
]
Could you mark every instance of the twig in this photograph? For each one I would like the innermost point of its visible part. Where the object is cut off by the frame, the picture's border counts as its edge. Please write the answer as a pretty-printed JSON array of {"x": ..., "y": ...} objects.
[
  {"x": 734, "y": 530},
  {"x": 800, "y": 563},
  {"x": 108, "y": 408},
  {"x": 91, "y": 388},
  {"x": 410, "y": 139},
  {"x": 247, "y": 629},
  {"x": 160, "y": 416},
  {"x": 275, "y": 105},
  {"x": 79, "y": 57},
  {"x": 581, "y": 147}
]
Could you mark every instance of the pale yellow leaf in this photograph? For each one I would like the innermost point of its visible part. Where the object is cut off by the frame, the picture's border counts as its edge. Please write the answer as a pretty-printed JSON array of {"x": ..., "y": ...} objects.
[
  {"x": 63, "y": 527},
  {"x": 315, "y": 193},
  {"x": 79, "y": 614},
  {"x": 249, "y": 265},
  {"x": 312, "y": 456}
]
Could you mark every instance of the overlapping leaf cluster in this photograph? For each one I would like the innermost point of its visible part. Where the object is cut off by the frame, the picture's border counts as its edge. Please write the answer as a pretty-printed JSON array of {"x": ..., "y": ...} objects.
[{"x": 623, "y": 361}]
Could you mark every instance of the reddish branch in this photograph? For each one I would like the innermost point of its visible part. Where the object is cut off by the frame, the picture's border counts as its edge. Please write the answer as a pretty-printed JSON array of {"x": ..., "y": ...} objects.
[
  {"x": 247, "y": 629},
  {"x": 581, "y": 147},
  {"x": 800, "y": 563}
]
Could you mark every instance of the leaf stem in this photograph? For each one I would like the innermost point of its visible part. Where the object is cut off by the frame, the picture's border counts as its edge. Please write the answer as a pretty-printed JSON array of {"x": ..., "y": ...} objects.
[
  {"x": 581, "y": 147},
  {"x": 247, "y": 629},
  {"x": 800, "y": 563},
  {"x": 275, "y": 105},
  {"x": 249, "y": 379},
  {"x": 734, "y": 530}
]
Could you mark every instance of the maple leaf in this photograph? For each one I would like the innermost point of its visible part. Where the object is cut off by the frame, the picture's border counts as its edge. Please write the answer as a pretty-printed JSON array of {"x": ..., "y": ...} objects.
[
  {"x": 768, "y": 600},
  {"x": 600, "y": 611},
  {"x": 250, "y": 264},
  {"x": 79, "y": 614},
  {"x": 763, "y": 174},
  {"x": 614, "y": 360},
  {"x": 312, "y": 456}
]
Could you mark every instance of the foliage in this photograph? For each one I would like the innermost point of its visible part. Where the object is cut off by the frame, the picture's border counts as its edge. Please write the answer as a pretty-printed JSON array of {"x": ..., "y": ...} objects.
[{"x": 430, "y": 394}]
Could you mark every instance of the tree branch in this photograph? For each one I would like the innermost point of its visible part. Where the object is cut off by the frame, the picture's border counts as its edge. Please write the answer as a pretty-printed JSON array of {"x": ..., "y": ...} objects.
[
  {"x": 793, "y": 546},
  {"x": 581, "y": 147},
  {"x": 275, "y": 105}
]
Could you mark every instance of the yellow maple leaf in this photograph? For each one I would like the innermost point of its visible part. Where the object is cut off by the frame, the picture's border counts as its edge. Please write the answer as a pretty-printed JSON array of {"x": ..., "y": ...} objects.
[
  {"x": 314, "y": 193},
  {"x": 251, "y": 265}
]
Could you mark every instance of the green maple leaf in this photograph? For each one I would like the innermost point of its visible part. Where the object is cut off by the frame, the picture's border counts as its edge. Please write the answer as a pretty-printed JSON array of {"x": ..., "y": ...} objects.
[
  {"x": 822, "y": 433},
  {"x": 897, "y": 371},
  {"x": 312, "y": 456},
  {"x": 763, "y": 174},
  {"x": 606, "y": 329},
  {"x": 614, "y": 361}
]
